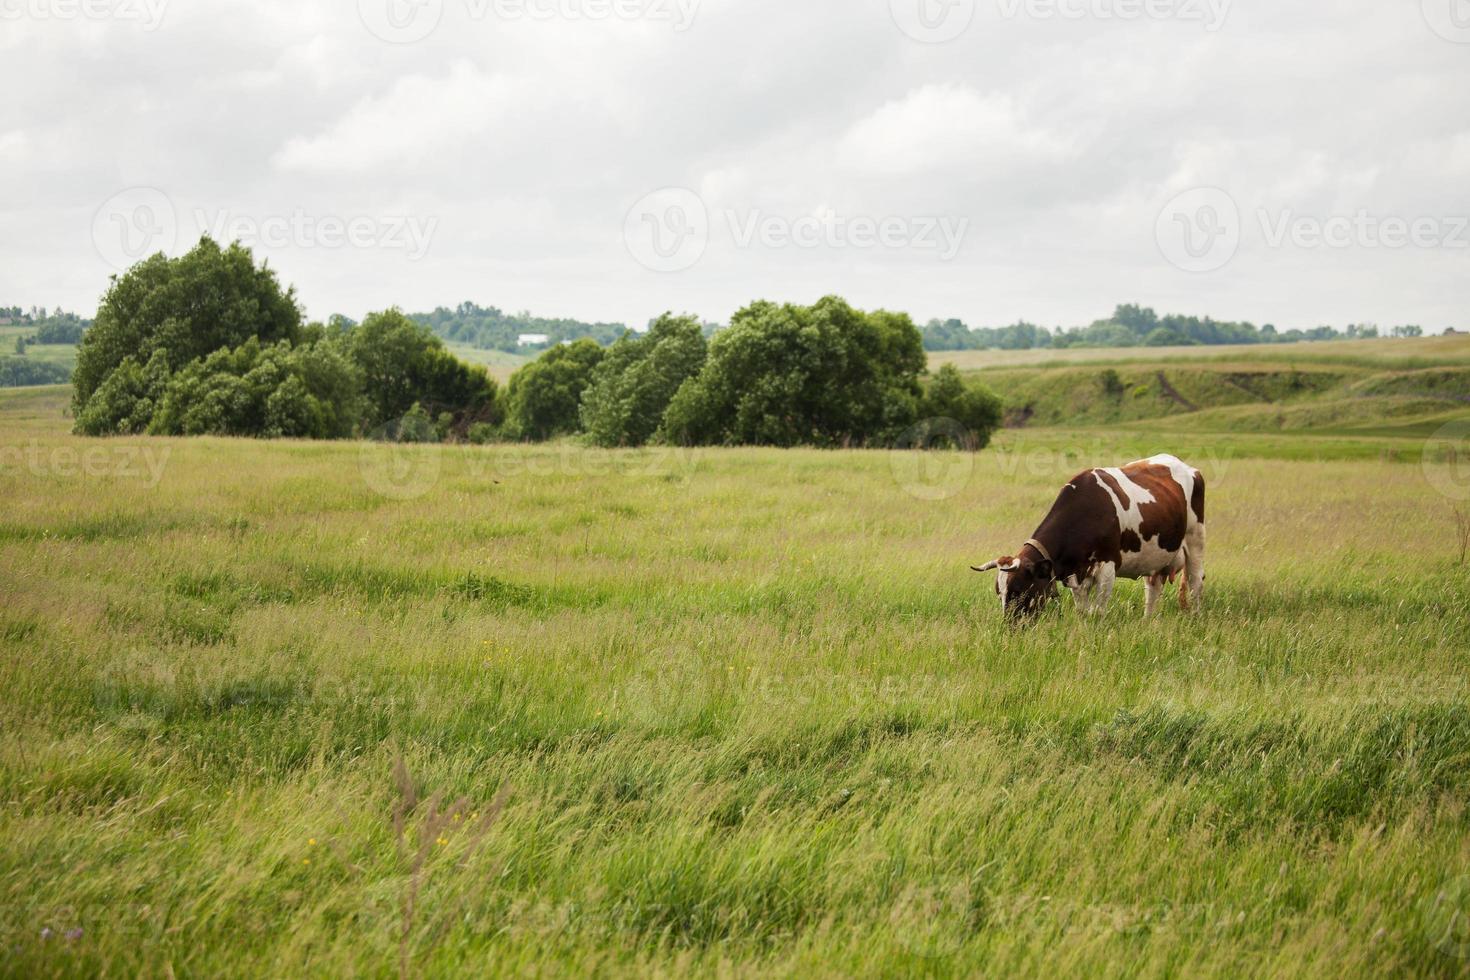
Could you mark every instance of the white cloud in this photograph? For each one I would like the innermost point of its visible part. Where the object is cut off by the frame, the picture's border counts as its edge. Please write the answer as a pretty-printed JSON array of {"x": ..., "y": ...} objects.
[
  {"x": 419, "y": 117},
  {"x": 945, "y": 128}
]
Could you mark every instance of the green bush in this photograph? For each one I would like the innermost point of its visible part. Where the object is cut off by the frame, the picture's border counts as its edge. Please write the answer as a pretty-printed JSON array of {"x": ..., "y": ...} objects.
[
  {"x": 634, "y": 383},
  {"x": 976, "y": 408},
  {"x": 826, "y": 375},
  {"x": 125, "y": 402},
  {"x": 309, "y": 392},
  {"x": 544, "y": 398}
]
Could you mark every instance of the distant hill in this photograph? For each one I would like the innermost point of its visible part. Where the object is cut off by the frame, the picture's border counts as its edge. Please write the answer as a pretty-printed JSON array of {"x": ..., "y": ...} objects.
[
  {"x": 489, "y": 328},
  {"x": 1403, "y": 387}
]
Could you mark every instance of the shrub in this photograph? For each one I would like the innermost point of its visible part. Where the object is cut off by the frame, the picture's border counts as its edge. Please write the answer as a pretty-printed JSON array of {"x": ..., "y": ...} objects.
[
  {"x": 544, "y": 398},
  {"x": 789, "y": 375},
  {"x": 125, "y": 402},
  {"x": 976, "y": 408},
  {"x": 308, "y": 392},
  {"x": 636, "y": 380}
]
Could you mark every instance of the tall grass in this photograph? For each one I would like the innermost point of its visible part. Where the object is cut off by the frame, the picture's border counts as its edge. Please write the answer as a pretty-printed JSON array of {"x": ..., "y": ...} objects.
[{"x": 732, "y": 712}]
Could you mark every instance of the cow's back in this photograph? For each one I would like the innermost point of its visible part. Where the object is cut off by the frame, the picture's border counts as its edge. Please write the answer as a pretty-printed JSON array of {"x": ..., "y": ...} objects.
[{"x": 1159, "y": 501}]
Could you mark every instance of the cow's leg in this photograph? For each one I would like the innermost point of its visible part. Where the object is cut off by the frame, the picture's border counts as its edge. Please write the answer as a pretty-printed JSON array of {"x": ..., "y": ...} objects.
[
  {"x": 1153, "y": 587},
  {"x": 1103, "y": 580},
  {"x": 1193, "y": 585},
  {"x": 1079, "y": 595}
]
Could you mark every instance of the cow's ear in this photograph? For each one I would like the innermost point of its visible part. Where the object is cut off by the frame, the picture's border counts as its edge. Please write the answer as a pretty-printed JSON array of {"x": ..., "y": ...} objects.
[{"x": 1045, "y": 570}]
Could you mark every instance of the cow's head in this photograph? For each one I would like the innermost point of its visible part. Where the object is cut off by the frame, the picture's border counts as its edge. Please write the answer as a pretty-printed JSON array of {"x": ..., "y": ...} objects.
[{"x": 1024, "y": 584}]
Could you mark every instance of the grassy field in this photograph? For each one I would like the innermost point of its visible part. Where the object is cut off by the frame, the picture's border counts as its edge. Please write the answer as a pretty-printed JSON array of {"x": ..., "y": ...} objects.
[
  {"x": 64, "y": 354},
  {"x": 306, "y": 709},
  {"x": 500, "y": 364}
]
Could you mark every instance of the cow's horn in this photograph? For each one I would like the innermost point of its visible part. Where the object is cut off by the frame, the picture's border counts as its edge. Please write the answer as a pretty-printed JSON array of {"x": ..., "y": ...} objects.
[{"x": 986, "y": 568}]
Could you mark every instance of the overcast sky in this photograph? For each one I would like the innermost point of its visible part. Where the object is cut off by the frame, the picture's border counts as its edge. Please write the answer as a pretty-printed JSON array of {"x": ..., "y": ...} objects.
[{"x": 1296, "y": 163}]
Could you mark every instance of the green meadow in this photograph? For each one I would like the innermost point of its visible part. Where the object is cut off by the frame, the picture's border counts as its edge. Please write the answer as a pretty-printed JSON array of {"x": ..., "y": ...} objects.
[{"x": 309, "y": 709}]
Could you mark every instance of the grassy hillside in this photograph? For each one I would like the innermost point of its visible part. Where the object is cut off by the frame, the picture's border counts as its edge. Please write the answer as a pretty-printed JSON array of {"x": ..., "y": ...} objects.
[
  {"x": 501, "y": 364},
  {"x": 1383, "y": 353},
  {"x": 1349, "y": 386},
  {"x": 310, "y": 709},
  {"x": 63, "y": 354}
]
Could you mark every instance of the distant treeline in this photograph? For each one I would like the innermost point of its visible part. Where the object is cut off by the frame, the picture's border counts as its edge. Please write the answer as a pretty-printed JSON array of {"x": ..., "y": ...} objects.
[
  {"x": 488, "y": 328},
  {"x": 55, "y": 327},
  {"x": 22, "y": 372},
  {"x": 1136, "y": 326}
]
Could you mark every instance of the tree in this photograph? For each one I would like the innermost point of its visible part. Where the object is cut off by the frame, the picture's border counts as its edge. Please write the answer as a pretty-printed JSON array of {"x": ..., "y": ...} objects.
[
  {"x": 976, "y": 408},
  {"x": 1166, "y": 337},
  {"x": 544, "y": 398},
  {"x": 205, "y": 300},
  {"x": 403, "y": 364},
  {"x": 789, "y": 375},
  {"x": 633, "y": 385}
]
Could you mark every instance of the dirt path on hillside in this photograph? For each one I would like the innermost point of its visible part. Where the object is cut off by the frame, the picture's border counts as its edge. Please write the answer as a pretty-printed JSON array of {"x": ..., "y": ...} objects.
[{"x": 1170, "y": 391}]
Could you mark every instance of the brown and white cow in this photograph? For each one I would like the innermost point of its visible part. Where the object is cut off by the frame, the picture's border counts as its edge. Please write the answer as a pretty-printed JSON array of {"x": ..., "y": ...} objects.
[{"x": 1144, "y": 520}]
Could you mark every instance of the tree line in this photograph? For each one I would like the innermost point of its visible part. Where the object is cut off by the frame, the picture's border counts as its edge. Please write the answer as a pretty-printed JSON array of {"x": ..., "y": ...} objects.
[
  {"x": 211, "y": 344},
  {"x": 487, "y": 328},
  {"x": 1137, "y": 326}
]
